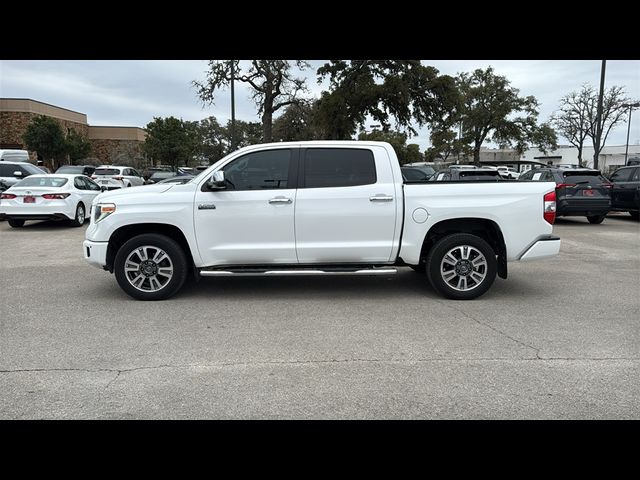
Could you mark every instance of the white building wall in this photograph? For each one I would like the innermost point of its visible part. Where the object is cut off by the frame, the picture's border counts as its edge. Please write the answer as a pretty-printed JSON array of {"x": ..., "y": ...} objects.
[{"x": 610, "y": 156}]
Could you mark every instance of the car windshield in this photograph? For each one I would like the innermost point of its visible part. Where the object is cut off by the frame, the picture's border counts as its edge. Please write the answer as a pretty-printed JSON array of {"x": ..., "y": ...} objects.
[
  {"x": 47, "y": 181},
  {"x": 157, "y": 175},
  {"x": 71, "y": 169},
  {"x": 107, "y": 171}
]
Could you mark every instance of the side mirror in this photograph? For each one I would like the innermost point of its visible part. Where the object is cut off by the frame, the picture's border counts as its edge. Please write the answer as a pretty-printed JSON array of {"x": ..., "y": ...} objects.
[
  {"x": 17, "y": 173},
  {"x": 217, "y": 181}
]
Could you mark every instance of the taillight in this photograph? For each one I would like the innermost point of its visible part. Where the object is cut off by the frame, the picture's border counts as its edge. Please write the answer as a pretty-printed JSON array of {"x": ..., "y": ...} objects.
[
  {"x": 549, "y": 212},
  {"x": 563, "y": 185},
  {"x": 7, "y": 196},
  {"x": 93, "y": 177},
  {"x": 55, "y": 196}
]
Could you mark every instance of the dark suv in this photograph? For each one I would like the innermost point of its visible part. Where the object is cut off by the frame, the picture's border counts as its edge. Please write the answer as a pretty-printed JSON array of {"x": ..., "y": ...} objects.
[
  {"x": 579, "y": 191},
  {"x": 625, "y": 194}
]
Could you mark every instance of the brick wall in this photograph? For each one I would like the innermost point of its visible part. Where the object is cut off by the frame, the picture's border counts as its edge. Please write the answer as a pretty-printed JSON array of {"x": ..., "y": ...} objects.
[{"x": 13, "y": 125}]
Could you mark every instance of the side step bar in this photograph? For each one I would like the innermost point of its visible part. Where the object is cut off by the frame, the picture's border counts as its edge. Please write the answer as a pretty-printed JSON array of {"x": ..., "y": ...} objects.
[{"x": 300, "y": 272}]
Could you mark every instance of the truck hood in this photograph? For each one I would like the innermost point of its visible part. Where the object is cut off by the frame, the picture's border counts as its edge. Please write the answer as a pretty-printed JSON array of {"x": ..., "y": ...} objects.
[{"x": 123, "y": 193}]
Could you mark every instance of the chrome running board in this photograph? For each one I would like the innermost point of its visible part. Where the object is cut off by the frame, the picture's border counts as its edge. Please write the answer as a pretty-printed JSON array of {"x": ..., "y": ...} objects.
[{"x": 240, "y": 273}]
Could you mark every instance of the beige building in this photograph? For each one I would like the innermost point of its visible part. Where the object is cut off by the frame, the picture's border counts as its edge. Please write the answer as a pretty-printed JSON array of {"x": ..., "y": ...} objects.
[{"x": 109, "y": 144}]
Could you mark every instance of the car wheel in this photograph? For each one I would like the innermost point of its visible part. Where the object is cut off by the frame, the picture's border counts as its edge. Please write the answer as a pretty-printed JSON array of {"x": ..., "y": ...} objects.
[
  {"x": 16, "y": 223},
  {"x": 461, "y": 266},
  {"x": 595, "y": 218},
  {"x": 80, "y": 217},
  {"x": 635, "y": 215},
  {"x": 151, "y": 267}
]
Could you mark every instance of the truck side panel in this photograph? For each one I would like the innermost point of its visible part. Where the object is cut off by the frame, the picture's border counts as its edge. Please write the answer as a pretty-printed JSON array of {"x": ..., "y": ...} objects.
[{"x": 516, "y": 207}]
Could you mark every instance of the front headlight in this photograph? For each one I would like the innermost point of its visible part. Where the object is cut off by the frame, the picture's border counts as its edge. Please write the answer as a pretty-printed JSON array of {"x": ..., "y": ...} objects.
[{"x": 103, "y": 210}]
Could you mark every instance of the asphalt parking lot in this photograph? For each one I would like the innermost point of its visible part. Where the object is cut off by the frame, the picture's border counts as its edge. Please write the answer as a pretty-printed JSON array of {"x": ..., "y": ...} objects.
[{"x": 559, "y": 339}]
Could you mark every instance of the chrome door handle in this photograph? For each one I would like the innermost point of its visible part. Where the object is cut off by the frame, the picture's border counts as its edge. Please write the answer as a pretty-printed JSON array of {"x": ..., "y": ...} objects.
[
  {"x": 280, "y": 200},
  {"x": 380, "y": 198}
]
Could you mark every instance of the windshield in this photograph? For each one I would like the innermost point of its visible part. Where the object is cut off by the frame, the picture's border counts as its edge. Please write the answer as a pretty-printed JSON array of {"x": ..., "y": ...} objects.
[
  {"x": 157, "y": 175},
  {"x": 107, "y": 171},
  {"x": 54, "y": 182},
  {"x": 70, "y": 169}
]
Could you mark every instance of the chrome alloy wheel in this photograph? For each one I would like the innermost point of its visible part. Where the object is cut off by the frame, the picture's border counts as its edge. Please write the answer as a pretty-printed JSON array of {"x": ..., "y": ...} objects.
[
  {"x": 148, "y": 268},
  {"x": 463, "y": 268}
]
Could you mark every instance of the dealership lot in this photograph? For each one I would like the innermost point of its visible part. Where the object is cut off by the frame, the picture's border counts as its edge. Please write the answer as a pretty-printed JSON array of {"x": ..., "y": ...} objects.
[{"x": 558, "y": 339}]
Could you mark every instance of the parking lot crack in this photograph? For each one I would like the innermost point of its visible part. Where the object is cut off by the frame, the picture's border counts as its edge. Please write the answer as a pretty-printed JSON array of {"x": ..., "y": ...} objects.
[{"x": 497, "y": 330}]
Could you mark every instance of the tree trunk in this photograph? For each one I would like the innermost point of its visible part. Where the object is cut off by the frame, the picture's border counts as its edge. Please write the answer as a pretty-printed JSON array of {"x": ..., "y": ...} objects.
[
  {"x": 267, "y": 126},
  {"x": 476, "y": 156},
  {"x": 580, "y": 156}
]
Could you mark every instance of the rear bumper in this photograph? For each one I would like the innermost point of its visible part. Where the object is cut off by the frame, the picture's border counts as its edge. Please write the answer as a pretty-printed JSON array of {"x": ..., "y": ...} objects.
[
  {"x": 544, "y": 247},
  {"x": 95, "y": 253},
  {"x": 583, "y": 207},
  {"x": 34, "y": 216}
]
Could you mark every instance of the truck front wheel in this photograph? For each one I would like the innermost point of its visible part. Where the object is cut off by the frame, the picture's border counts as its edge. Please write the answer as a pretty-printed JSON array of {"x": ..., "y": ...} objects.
[
  {"x": 150, "y": 267},
  {"x": 461, "y": 266}
]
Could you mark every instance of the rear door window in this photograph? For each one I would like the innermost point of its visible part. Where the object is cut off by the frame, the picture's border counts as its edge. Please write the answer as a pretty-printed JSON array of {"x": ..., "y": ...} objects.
[{"x": 338, "y": 167}]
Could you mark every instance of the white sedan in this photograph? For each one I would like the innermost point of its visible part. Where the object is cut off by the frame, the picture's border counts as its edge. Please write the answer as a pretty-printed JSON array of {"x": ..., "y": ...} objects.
[{"x": 49, "y": 197}]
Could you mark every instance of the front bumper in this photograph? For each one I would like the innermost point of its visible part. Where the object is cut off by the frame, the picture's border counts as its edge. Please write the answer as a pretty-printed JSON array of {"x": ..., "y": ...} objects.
[
  {"x": 95, "y": 253},
  {"x": 545, "y": 247}
]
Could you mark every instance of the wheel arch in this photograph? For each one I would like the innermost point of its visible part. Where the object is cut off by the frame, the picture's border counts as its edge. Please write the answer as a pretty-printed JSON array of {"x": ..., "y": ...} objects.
[
  {"x": 126, "y": 232},
  {"x": 484, "y": 228}
]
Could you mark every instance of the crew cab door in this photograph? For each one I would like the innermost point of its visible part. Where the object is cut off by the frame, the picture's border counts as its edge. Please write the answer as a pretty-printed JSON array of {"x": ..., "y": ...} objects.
[
  {"x": 251, "y": 220},
  {"x": 345, "y": 206}
]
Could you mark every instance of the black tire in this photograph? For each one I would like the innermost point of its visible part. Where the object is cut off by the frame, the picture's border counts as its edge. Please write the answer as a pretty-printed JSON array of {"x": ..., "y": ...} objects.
[
  {"x": 445, "y": 245},
  {"x": 16, "y": 223},
  {"x": 595, "y": 219},
  {"x": 81, "y": 216},
  {"x": 635, "y": 215},
  {"x": 172, "y": 249}
]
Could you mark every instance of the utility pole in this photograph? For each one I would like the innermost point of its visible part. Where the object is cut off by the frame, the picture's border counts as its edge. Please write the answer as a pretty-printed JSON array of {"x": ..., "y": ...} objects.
[
  {"x": 233, "y": 108},
  {"x": 596, "y": 152},
  {"x": 631, "y": 107}
]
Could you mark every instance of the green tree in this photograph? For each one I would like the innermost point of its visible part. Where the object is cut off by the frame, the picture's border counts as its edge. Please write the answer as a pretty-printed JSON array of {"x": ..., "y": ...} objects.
[
  {"x": 298, "y": 122},
  {"x": 444, "y": 144},
  {"x": 398, "y": 141},
  {"x": 272, "y": 82},
  {"x": 214, "y": 140},
  {"x": 403, "y": 90},
  {"x": 45, "y": 135},
  {"x": 413, "y": 153},
  {"x": 77, "y": 147},
  {"x": 171, "y": 140},
  {"x": 492, "y": 110}
]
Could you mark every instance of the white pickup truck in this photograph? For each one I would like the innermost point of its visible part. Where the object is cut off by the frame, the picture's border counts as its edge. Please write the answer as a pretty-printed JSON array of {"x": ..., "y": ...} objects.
[{"x": 318, "y": 208}]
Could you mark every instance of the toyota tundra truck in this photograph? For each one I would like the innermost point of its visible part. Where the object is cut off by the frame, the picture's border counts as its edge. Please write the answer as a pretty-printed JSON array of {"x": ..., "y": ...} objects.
[{"x": 318, "y": 208}]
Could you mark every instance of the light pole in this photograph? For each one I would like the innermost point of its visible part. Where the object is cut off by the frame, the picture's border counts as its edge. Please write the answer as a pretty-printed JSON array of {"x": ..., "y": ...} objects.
[
  {"x": 630, "y": 106},
  {"x": 233, "y": 107},
  {"x": 596, "y": 152}
]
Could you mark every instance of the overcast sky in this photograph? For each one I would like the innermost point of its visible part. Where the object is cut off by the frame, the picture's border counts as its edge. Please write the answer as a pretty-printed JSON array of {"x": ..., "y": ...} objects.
[{"x": 131, "y": 92}]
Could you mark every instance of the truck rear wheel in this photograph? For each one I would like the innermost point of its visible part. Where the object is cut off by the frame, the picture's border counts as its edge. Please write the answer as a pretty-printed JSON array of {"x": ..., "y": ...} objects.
[
  {"x": 150, "y": 267},
  {"x": 461, "y": 266}
]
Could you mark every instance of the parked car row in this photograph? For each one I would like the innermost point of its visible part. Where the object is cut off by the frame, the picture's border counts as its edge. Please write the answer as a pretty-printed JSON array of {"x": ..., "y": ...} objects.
[{"x": 585, "y": 192}]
